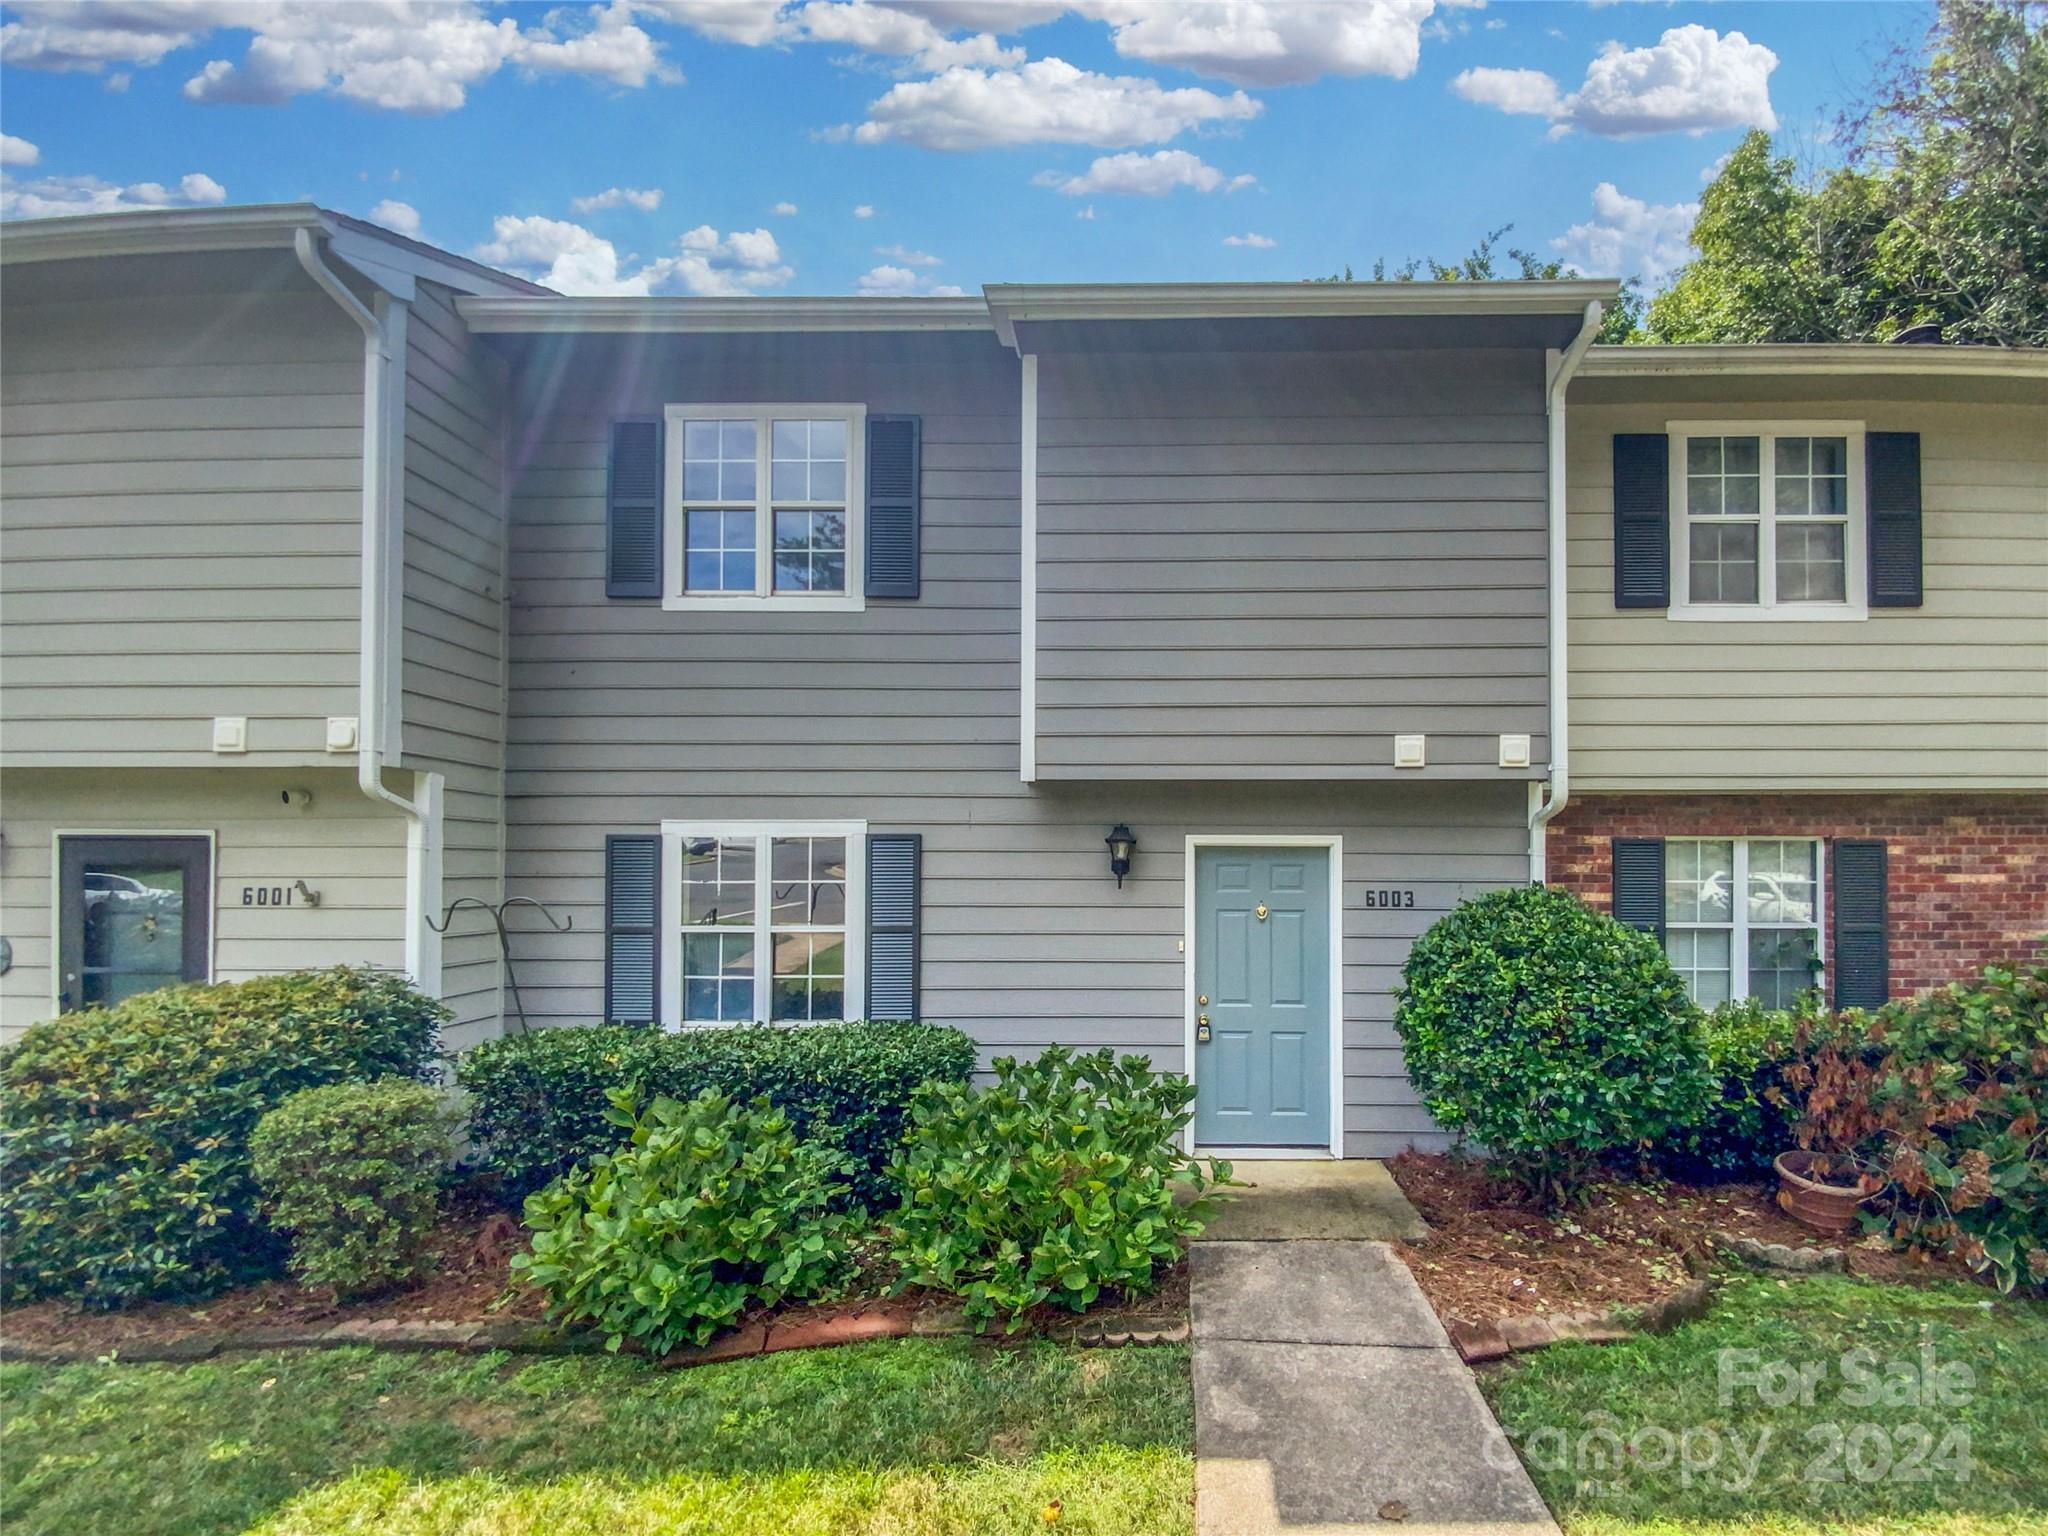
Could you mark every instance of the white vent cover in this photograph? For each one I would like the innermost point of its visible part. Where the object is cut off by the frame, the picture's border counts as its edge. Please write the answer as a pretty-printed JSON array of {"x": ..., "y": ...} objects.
[
  {"x": 230, "y": 733},
  {"x": 1408, "y": 751},
  {"x": 1514, "y": 751}
]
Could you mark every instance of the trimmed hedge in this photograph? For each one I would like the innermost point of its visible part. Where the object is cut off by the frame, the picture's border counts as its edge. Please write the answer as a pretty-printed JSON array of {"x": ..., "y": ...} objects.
[
  {"x": 538, "y": 1102},
  {"x": 1742, "y": 1128},
  {"x": 124, "y": 1131}
]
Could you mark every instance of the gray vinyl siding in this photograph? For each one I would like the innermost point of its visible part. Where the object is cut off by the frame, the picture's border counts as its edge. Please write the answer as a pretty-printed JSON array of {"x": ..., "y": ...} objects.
[
  {"x": 342, "y": 846},
  {"x": 181, "y": 507},
  {"x": 453, "y": 667},
  {"x": 905, "y": 716},
  {"x": 1273, "y": 563},
  {"x": 1950, "y": 695}
]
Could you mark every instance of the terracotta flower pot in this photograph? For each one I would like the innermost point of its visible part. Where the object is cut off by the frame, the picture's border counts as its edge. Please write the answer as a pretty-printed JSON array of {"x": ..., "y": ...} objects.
[{"x": 1805, "y": 1194}]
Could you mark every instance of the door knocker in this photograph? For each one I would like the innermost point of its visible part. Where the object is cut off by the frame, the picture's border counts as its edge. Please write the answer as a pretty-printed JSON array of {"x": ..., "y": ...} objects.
[{"x": 1260, "y": 911}]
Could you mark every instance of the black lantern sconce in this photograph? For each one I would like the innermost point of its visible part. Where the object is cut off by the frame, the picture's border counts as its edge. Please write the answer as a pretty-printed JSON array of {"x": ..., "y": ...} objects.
[{"x": 1122, "y": 840}]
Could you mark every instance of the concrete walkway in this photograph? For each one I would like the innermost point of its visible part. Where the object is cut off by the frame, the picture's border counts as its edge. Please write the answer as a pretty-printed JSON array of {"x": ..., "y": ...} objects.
[{"x": 1327, "y": 1398}]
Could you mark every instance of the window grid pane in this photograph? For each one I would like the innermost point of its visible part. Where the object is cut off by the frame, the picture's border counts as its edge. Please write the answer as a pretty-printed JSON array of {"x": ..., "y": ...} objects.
[
  {"x": 810, "y": 975},
  {"x": 718, "y": 977},
  {"x": 718, "y": 550},
  {"x": 718, "y": 883},
  {"x": 810, "y": 551},
  {"x": 808, "y": 882},
  {"x": 1765, "y": 945}
]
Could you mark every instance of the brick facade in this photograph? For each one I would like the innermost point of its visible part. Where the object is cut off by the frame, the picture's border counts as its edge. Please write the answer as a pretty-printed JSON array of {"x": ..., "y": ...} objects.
[{"x": 1967, "y": 879}]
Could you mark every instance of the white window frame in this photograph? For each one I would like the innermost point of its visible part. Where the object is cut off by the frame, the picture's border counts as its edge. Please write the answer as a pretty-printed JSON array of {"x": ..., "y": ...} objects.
[
  {"x": 1739, "y": 928},
  {"x": 763, "y": 834},
  {"x": 1855, "y": 576},
  {"x": 764, "y": 595}
]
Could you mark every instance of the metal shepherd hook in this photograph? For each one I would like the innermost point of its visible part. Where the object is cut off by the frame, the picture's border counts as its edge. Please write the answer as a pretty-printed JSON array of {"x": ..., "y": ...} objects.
[{"x": 497, "y": 912}]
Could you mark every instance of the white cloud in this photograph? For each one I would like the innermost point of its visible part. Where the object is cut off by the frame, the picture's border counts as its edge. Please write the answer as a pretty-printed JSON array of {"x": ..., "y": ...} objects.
[
  {"x": 1153, "y": 175},
  {"x": 1693, "y": 79},
  {"x": 864, "y": 211},
  {"x": 908, "y": 257},
  {"x": 748, "y": 22},
  {"x": 902, "y": 33},
  {"x": 784, "y": 210},
  {"x": 1256, "y": 242},
  {"x": 1087, "y": 213},
  {"x": 51, "y": 196},
  {"x": 118, "y": 82},
  {"x": 15, "y": 151},
  {"x": 572, "y": 259},
  {"x": 393, "y": 214},
  {"x": 1495, "y": 24},
  {"x": 1628, "y": 237},
  {"x": 1269, "y": 42},
  {"x": 646, "y": 199},
  {"x": 416, "y": 56},
  {"x": 1709, "y": 172},
  {"x": 900, "y": 282},
  {"x": 1045, "y": 101}
]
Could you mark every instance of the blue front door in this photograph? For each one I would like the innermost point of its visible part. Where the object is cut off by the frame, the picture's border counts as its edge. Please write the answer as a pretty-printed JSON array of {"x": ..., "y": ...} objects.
[{"x": 1262, "y": 980}]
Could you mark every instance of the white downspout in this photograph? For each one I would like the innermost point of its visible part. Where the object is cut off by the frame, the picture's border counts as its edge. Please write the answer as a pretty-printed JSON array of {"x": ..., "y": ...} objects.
[
  {"x": 1543, "y": 808},
  {"x": 383, "y": 345}
]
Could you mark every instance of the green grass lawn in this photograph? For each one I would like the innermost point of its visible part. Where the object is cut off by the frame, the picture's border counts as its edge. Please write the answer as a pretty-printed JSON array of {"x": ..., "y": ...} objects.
[
  {"x": 909, "y": 1437},
  {"x": 1942, "y": 1428}
]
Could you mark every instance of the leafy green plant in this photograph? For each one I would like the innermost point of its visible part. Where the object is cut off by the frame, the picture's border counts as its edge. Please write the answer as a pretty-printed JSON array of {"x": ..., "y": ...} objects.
[
  {"x": 1741, "y": 1129},
  {"x": 537, "y": 1102},
  {"x": 1945, "y": 1096},
  {"x": 1549, "y": 1033},
  {"x": 353, "y": 1171},
  {"x": 1053, "y": 1183},
  {"x": 710, "y": 1208},
  {"x": 125, "y": 1130}
]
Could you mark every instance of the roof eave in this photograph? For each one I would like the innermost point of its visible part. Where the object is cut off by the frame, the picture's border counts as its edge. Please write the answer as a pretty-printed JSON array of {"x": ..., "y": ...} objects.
[
  {"x": 1793, "y": 359},
  {"x": 641, "y": 316}
]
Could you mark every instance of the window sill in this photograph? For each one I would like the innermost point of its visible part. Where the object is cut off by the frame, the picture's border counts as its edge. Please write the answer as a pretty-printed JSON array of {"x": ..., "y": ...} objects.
[
  {"x": 851, "y": 602},
  {"x": 1832, "y": 613}
]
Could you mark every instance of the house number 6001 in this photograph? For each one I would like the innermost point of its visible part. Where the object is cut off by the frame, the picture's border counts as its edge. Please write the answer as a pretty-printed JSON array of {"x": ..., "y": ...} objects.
[{"x": 269, "y": 896}]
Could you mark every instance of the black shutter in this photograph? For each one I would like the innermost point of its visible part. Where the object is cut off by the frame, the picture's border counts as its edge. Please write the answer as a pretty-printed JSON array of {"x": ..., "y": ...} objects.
[
  {"x": 1642, "y": 520},
  {"x": 895, "y": 864},
  {"x": 895, "y": 505},
  {"x": 1891, "y": 484},
  {"x": 632, "y": 919},
  {"x": 1639, "y": 883},
  {"x": 632, "y": 536},
  {"x": 1862, "y": 952}
]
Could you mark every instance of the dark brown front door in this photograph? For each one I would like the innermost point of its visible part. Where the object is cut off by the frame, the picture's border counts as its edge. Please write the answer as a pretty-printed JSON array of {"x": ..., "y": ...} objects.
[{"x": 135, "y": 914}]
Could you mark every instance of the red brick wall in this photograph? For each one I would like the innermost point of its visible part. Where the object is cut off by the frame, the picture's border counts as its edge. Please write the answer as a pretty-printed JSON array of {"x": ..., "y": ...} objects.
[{"x": 1968, "y": 874}]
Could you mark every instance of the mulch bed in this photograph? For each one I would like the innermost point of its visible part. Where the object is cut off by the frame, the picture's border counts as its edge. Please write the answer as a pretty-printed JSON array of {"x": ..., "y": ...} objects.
[
  {"x": 469, "y": 1280},
  {"x": 1492, "y": 1255}
]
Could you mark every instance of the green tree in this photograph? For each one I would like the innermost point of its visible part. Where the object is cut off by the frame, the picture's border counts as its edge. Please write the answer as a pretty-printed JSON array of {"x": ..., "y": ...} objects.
[
  {"x": 1939, "y": 215},
  {"x": 1488, "y": 264}
]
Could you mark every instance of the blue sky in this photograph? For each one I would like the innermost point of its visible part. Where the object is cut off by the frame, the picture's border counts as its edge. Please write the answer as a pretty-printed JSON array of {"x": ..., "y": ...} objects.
[{"x": 834, "y": 146}]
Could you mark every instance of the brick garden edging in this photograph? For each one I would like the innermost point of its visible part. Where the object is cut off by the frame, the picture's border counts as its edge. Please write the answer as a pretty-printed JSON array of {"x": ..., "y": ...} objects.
[{"x": 531, "y": 1338}]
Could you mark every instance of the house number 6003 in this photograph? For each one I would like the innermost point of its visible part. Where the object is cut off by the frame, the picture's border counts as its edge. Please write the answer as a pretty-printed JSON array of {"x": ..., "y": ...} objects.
[{"x": 1390, "y": 898}]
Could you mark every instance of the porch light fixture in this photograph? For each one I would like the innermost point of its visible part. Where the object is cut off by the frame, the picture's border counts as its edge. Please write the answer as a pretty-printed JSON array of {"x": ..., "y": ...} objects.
[{"x": 1121, "y": 841}]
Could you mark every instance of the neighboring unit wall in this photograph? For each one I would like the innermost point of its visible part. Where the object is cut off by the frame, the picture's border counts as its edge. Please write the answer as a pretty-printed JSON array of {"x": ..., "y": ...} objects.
[
  {"x": 343, "y": 847},
  {"x": 1269, "y": 563},
  {"x": 1966, "y": 875},
  {"x": 454, "y": 633},
  {"x": 906, "y": 715},
  {"x": 182, "y": 513},
  {"x": 1953, "y": 694}
]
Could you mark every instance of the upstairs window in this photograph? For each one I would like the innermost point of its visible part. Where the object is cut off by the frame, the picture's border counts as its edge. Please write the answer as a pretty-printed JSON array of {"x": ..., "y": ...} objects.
[
  {"x": 765, "y": 506},
  {"x": 1742, "y": 917},
  {"x": 1769, "y": 520}
]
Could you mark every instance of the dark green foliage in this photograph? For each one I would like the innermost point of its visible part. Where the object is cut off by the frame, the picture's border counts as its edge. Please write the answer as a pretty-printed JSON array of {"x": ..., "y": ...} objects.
[
  {"x": 537, "y": 1102},
  {"x": 1946, "y": 1097},
  {"x": 709, "y": 1209},
  {"x": 126, "y": 1130},
  {"x": 1940, "y": 215},
  {"x": 1548, "y": 1033},
  {"x": 1054, "y": 1182},
  {"x": 353, "y": 1172},
  {"x": 1742, "y": 1130}
]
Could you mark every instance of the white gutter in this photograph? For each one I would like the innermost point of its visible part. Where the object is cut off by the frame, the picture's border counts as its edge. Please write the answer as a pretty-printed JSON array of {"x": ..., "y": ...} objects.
[
  {"x": 1542, "y": 810},
  {"x": 383, "y": 479}
]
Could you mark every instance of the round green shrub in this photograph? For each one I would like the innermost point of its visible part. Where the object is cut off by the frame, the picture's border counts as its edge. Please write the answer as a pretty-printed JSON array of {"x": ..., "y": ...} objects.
[
  {"x": 1052, "y": 1183},
  {"x": 1548, "y": 1033},
  {"x": 353, "y": 1172},
  {"x": 537, "y": 1102},
  {"x": 124, "y": 1131},
  {"x": 710, "y": 1208}
]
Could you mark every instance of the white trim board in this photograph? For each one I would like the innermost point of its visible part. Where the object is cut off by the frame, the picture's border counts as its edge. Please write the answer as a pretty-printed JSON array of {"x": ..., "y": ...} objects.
[
  {"x": 1334, "y": 843},
  {"x": 1027, "y": 591}
]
